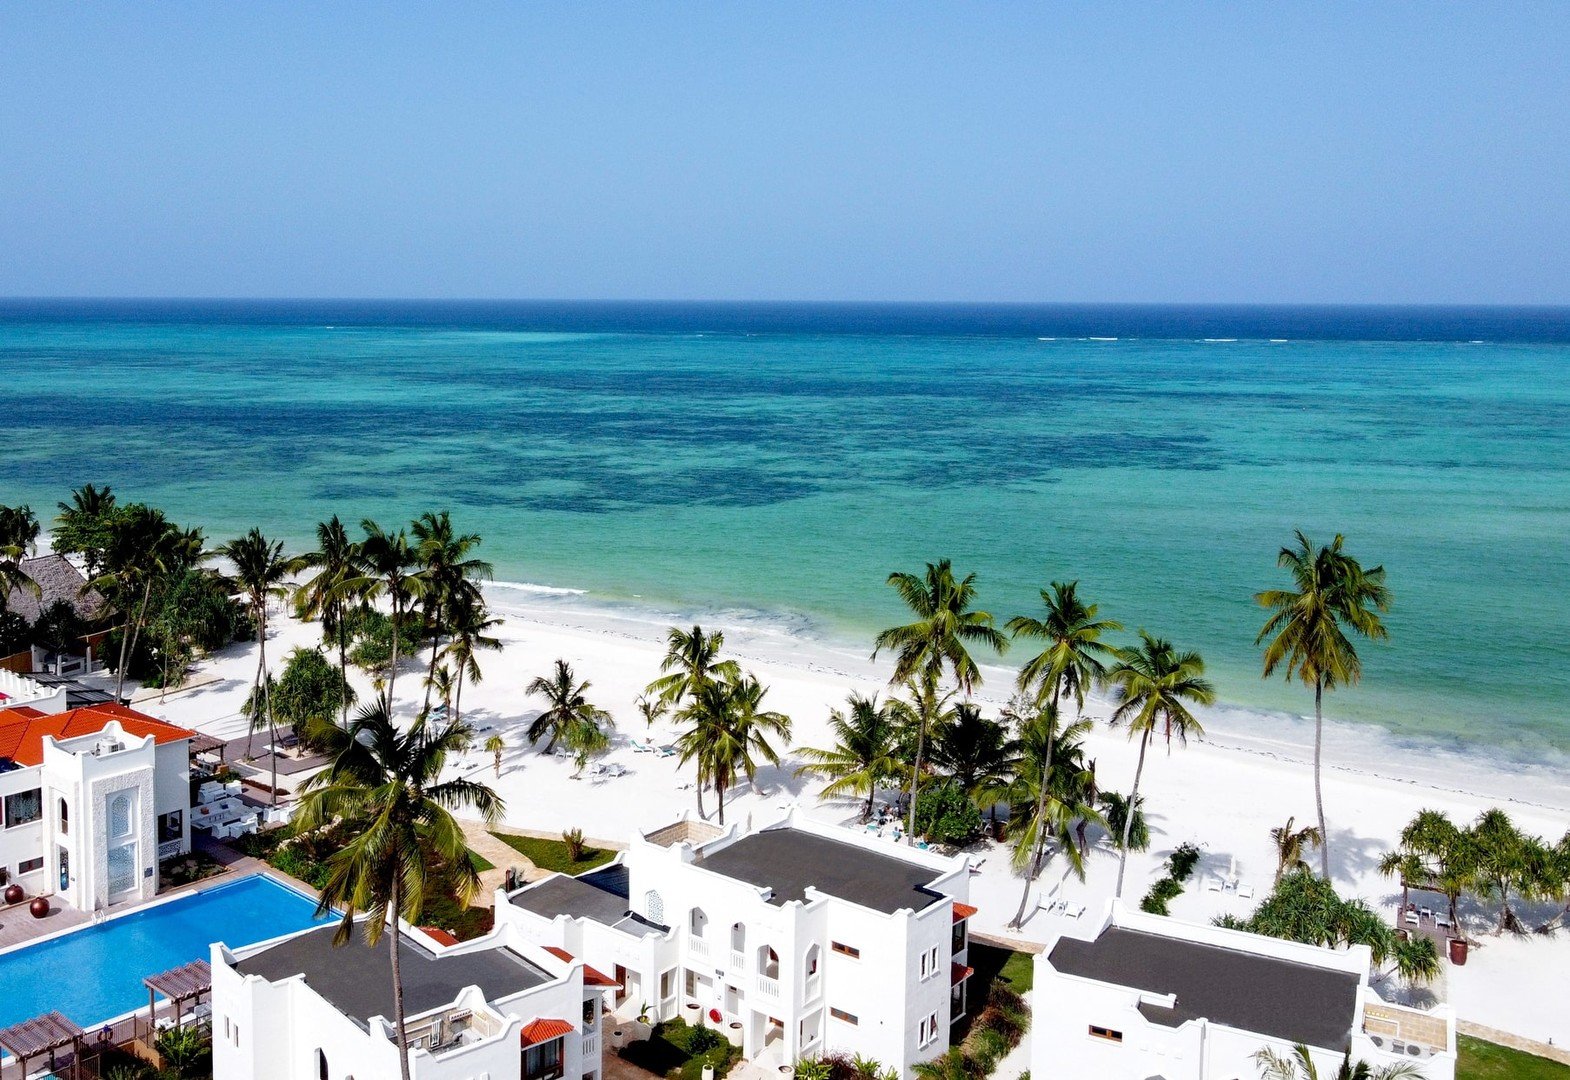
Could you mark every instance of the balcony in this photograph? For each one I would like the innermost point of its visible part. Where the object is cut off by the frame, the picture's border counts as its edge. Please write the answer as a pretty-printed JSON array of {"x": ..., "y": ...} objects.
[
  {"x": 738, "y": 960},
  {"x": 591, "y": 1046},
  {"x": 768, "y": 987},
  {"x": 698, "y": 948},
  {"x": 168, "y": 849}
]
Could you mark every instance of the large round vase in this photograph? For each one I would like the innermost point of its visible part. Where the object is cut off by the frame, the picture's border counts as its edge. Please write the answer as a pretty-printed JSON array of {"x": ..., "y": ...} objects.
[
  {"x": 38, "y": 908},
  {"x": 14, "y": 894}
]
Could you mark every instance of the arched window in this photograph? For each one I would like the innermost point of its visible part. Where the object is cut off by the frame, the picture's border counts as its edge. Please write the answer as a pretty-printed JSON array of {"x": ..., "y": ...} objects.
[
  {"x": 65, "y": 817},
  {"x": 321, "y": 1066},
  {"x": 738, "y": 937},
  {"x": 697, "y": 922},
  {"x": 654, "y": 907},
  {"x": 120, "y": 815},
  {"x": 769, "y": 963},
  {"x": 811, "y": 967}
]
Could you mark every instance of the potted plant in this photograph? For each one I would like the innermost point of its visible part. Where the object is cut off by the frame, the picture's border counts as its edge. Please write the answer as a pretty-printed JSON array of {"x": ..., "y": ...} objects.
[{"x": 643, "y": 1027}]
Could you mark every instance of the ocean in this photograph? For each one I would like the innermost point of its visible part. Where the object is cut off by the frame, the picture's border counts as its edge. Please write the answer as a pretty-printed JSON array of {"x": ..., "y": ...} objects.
[{"x": 772, "y": 463}]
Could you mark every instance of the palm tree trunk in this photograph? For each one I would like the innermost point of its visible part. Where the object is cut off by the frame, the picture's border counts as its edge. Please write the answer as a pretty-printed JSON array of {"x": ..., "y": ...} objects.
[
  {"x": 915, "y": 772},
  {"x": 872, "y": 793},
  {"x": 397, "y": 977},
  {"x": 1041, "y": 808},
  {"x": 457, "y": 697},
  {"x": 392, "y": 669},
  {"x": 343, "y": 668},
  {"x": 1319, "y": 795},
  {"x": 1128, "y": 819},
  {"x": 251, "y": 722},
  {"x": 267, "y": 700},
  {"x": 719, "y": 793},
  {"x": 430, "y": 674},
  {"x": 699, "y": 786},
  {"x": 128, "y": 639}
]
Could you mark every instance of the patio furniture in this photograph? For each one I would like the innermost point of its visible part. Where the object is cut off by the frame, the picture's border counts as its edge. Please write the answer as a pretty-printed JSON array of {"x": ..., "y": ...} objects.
[
  {"x": 1213, "y": 884},
  {"x": 1410, "y": 918},
  {"x": 1246, "y": 892}
]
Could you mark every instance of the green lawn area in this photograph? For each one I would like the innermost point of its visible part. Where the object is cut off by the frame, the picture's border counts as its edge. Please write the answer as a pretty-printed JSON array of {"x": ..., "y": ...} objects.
[
  {"x": 552, "y": 854},
  {"x": 481, "y": 863},
  {"x": 1481, "y": 1060}
]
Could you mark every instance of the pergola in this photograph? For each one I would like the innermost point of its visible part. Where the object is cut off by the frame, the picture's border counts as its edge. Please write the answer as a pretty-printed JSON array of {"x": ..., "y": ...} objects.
[
  {"x": 44, "y": 1034},
  {"x": 185, "y": 983},
  {"x": 206, "y": 744}
]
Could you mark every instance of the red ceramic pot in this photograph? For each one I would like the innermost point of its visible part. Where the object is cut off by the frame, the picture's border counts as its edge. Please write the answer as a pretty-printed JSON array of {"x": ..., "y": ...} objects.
[
  {"x": 14, "y": 894},
  {"x": 38, "y": 908}
]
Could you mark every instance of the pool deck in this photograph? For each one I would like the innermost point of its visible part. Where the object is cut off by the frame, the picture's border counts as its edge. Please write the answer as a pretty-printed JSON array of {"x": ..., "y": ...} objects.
[{"x": 17, "y": 925}]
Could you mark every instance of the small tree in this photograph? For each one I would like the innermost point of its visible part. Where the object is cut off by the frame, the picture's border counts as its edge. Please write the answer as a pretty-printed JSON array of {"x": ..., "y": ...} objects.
[{"x": 495, "y": 745}]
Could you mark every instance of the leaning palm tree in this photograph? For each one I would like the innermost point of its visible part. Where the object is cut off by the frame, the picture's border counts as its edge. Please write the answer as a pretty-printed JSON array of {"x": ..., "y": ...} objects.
[
  {"x": 728, "y": 733},
  {"x": 1308, "y": 627},
  {"x": 1073, "y": 657},
  {"x": 865, "y": 754},
  {"x": 567, "y": 709},
  {"x": 326, "y": 594},
  {"x": 390, "y": 567},
  {"x": 1299, "y": 1065},
  {"x": 141, "y": 547},
  {"x": 691, "y": 663},
  {"x": 1291, "y": 844},
  {"x": 449, "y": 570},
  {"x": 926, "y": 708},
  {"x": 1053, "y": 788},
  {"x": 1154, "y": 685},
  {"x": 260, "y": 569},
  {"x": 391, "y": 781},
  {"x": 467, "y": 636},
  {"x": 944, "y": 629}
]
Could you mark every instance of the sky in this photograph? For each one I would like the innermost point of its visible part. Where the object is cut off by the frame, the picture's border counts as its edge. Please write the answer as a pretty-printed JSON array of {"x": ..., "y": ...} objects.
[{"x": 1078, "y": 152}]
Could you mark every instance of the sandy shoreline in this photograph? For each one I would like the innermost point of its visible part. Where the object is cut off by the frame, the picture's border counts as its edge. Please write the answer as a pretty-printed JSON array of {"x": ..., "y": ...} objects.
[{"x": 1224, "y": 793}]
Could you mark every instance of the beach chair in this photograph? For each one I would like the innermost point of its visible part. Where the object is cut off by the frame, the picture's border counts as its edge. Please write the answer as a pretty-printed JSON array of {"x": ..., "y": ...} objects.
[
  {"x": 1077, "y": 912},
  {"x": 1410, "y": 918},
  {"x": 641, "y": 747},
  {"x": 1425, "y": 913},
  {"x": 1213, "y": 884},
  {"x": 1246, "y": 892},
  {"x": 1442, "y": 921}
]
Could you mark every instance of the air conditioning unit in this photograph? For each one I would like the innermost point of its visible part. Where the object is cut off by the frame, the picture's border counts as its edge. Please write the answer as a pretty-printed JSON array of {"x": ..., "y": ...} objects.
[{"x": 109, "y": 746}]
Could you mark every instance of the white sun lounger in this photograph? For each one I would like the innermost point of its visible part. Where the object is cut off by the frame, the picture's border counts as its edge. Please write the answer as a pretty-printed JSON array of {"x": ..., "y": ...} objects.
[
  {"x": 1410, "y": 918},
  {"x": 1213, "y": 884},
  {"x": 1246, "y": 891}
]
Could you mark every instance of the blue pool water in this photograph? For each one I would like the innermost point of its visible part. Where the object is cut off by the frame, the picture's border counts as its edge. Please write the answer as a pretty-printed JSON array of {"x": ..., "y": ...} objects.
[{"x": 96, "y": 973}]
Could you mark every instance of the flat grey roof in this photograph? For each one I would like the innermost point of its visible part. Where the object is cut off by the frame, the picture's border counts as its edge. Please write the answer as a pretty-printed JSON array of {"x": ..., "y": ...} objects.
[
  {"x": 788, "y": 860},
  {"x": 1295, "y": 1002},
  {"x": 357, "y": 978},
  {"x": 600, "y": 895}
]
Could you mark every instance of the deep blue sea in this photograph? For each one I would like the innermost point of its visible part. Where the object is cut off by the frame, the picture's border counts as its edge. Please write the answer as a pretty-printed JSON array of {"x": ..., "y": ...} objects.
[{"x": 781, "y": 459}]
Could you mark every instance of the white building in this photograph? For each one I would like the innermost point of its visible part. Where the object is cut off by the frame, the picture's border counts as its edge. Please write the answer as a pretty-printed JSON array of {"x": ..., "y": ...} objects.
[
  {"x": 18, "y": 691},
  {"x": 795, "y": 940},
  {"x": 1143, "y": 996},
  {"x": 497, "y": 1007},
  {"x": 91, "y": 801}
]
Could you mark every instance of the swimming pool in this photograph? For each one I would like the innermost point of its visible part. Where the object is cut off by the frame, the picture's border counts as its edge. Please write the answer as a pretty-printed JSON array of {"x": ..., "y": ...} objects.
[{"x": 95, "y": 973}]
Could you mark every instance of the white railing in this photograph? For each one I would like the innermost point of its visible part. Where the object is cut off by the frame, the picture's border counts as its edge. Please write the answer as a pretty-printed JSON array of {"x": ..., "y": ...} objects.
[
  {"x": 168, "y": 849},
  {"x": 591, "y": 1046},
  {"x": 698, "y": 947},
  {"x": 738, "y": 960},
  {"x": 768, "y": 987}
]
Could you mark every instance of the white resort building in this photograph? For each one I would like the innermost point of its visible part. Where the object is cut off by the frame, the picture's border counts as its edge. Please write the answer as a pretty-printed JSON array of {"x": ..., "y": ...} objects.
[
  {"x": 497, "y": 1007},
  {"x": 92, "y": 800},
  {"x": 1145, "y": 997},
  {"x": 794, "y": 940}
]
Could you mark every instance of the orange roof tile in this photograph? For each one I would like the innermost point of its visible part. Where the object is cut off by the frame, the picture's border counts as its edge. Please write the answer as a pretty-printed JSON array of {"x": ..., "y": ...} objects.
[
  {"x": 963, "y": 911},
  {"x": 438, "y": 935},
  {"x": 22, "y": 730},
  {"x": 591, "y": 977},
  {"x": 958, "y": 973},
  {"x": 543, "y": 1030}
]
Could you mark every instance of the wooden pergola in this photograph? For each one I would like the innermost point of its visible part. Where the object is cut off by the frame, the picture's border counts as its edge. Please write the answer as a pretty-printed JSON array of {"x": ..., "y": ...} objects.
[
  {"x": 46, "y": 1034},
  {"x": 201, "y": 743},
  {"x": 180, "y": 985}
]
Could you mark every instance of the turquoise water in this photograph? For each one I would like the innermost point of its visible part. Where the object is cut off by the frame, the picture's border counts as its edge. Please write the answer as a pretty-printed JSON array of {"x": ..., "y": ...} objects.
[
  {"x": 758, "y": 461},
  {"x": 95, "y": 974}
]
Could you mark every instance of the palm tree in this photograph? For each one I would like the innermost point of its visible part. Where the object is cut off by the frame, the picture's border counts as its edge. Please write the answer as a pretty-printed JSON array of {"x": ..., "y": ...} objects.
[
  {"x": 1433, "y": 853},
  {"x": 388, "y": 568},
  {"x": 467, "y": 636},
  {"x": 1307, "y": 631},
  {"x": 142, "y": 546},
  {"x": 1504, "y": 861},
  {"x": 925, "y": 709},
  {"x": 1299, "y": 1065},
  {"x": 567, "y": 709},
  {"x": 1154, "y": 685},
  {"x": 944, "y": 628},
  {"x": 260, "y": 569},
  {"x": 391, "y": 781},
  {"x": 1290, "y": 845},
  {"x": 976, "y": 752},
  {"x": 1072, "y": 659},
  {"x": 496, "y": 746},
  {"x": 651, "y": 708},
  {"x": 1053, "y": 788},
  {"x": 449, "y": 570},
  {"x": 865, "y": 754},
  {"x": 18, "y": 536},
  {"x": 326, "y": 595},
  {"x": 1122, "y": 816},
  {"x": 83, "y": 524},
  {"x": 691, "y": 663},
  {"x": 729, "y": 732}
]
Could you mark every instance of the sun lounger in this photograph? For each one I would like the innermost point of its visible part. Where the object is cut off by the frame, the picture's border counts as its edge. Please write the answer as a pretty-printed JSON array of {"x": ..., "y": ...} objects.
[
  {"x": 641, "y": 747},
  {"x": 1213, "y": 884},
  {"x": 1442, "y": 921},
  {"x": 1246, "y": 891},
  {"x": 1425, "y": 913},
  {"x": 1410, "y": 918}
]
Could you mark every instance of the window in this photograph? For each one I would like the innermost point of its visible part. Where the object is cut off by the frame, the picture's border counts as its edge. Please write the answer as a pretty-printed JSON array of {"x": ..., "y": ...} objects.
[
  {"x": 1106, "y": 1033},
  {"x": 845, "y": 950},
  {"x": 812, "y": 961},
  {"x": 321, "y": 1066},
  {"x": 24, "y": 808},
  {"x": 697, "y": 922},
  {"x": 958, "y": 942},
  {"x": 170, "y": 826},
  {"x": 590, "y": 1014},
  {"x": 120, "y": 815},
  {"x": 543, "y": 1062},
  {"x": 667, "y": 984},
  {"x": 929, "y": 963},
  {"x": 692, "y": 983},
  {"x": 843, "y": 1016},
  {"x": 65, "y": 818},
  {"x": 927, "y": 1030},
  {"x": 654, "y": 907},
  {"x": 30, "y": 866}
]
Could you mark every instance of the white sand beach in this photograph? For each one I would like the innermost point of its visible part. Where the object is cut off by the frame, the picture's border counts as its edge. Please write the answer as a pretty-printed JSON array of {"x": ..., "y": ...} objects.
[{"x": 1222, "y": 793}]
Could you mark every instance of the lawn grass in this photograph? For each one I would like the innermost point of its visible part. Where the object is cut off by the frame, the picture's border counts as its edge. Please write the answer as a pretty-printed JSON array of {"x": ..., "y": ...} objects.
[
  {"x": 670, "y": 1051},
  {"x": 1479, "y": 1060},
  {"x": 552, "y": 854},
  {"x": 1019, "y": 971},
  {"x": 481, "y": 863}
]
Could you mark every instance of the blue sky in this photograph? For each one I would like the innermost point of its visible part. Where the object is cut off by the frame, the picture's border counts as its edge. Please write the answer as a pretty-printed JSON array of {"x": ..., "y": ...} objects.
[{"x": 1392, "y": 152}]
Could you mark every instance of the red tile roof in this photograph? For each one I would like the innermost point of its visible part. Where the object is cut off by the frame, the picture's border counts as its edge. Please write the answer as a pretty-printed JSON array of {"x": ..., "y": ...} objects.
[
  {"x": 958, "y": 973},
  {"x": 590, "y": 976},
  {"x": 438, "y": 935},
  {"x": 543, "y": 1030},
  {"x": 22, "y": 730},
  {"x": 963, "y": 911}
]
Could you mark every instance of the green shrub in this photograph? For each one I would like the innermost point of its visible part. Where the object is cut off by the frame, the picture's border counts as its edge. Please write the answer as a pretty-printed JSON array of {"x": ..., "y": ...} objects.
[
  {"x": 703, "y": 1038},
  {"x": 1181, "y": 863},
  {"x": 945, "y": 814}
]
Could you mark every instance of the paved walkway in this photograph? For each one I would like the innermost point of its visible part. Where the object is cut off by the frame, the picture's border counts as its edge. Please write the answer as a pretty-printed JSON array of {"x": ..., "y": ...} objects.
[{"x": 500, "y": 856}]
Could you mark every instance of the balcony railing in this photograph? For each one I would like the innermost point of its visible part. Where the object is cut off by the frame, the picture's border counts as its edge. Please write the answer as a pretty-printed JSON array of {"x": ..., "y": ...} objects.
[
  {"x": 738, "y": 960},
  {"x": 698, "y": 947},
  {"x": 768, "y": 987},
  {"x": 168, "y": 849},
  {"x": 591, "y": 1046}
]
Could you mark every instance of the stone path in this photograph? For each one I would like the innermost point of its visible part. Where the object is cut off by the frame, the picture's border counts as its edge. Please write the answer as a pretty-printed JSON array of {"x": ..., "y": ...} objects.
[{"x": 482, "y": 843}]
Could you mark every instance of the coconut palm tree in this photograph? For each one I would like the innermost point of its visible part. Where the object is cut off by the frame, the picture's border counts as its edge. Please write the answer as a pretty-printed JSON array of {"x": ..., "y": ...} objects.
[
  {"x": 496, "y": 746},
  {"x": 1290, "y": 845},
  {"x": 1073, "y": 658},
  {"x": 449, "y": 569},
  {"x": 975, "y": 752},
  {"x": 567, "y": 709},
  {"x": 728, "y": 733},
  {"x": 1053, "y": 788},
  {"x": 326, "y": 594},
  {"x": 865, "y": 754},
  {"x": 1122, "y": 816},
  {"x": 1154, "y": 685},
  {"x": 944, "y": 629},
  {"x": 651, "y": 708},
  {"x": 1299, "y": 1065},
  {"x": 1505, "y": 861},
  {"x": 390, "y": 568},
  {"x": 18, "y": 537},
  {"x": 467, "y": 637},
  {"x": 924, "y": 708},
  {"x": 691, "y": 663},
  {"x": 82, "y": 526},
  {"x": 1308, "y": 628},
  {"x": 142, "y": 546},
  {"x": 391, "y": 781},
  {"x": 260, "y": 569}
]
